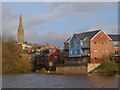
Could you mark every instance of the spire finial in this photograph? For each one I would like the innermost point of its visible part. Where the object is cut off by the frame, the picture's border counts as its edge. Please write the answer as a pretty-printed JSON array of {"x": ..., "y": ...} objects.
[{"x": 20, "y": 19}]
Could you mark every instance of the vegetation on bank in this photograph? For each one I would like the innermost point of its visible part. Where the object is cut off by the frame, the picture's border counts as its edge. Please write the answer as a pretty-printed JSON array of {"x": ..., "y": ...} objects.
[
  {"x": 12, "y": 61},
  {"x": 108, "y": 66}
]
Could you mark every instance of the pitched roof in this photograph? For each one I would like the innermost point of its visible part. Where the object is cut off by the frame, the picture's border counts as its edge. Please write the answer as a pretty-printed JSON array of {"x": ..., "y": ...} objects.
[
  {"x": 114, "y": 37},
  {"x": 67, "y": 40},
  {"x": 89, "y": 34}
]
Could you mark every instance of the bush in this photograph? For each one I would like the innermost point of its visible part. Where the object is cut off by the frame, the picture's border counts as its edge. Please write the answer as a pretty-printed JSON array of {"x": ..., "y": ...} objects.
[
  {"x": 11, "y": 60},
  {"x": 109, "y": 66}
]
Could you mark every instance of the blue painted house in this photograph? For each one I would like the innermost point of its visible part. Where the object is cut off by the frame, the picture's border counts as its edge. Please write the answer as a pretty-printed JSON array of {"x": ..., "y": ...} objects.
[{"x": 75, "y": 47}]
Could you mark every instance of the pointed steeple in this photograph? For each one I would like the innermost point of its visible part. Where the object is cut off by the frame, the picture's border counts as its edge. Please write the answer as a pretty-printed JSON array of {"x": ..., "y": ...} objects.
[{"x": 20, "y": 31}]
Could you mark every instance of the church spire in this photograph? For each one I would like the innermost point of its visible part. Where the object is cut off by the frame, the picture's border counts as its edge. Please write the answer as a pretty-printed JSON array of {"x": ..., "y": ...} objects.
[{"x": 20, "y": 31}]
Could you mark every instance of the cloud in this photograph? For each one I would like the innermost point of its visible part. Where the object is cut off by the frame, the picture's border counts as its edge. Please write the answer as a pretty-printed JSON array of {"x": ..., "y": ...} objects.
[
  {"x": 11, "y": 21},
  {"x": 62, "y": 9},
  {"x": 56, "y": 38}
]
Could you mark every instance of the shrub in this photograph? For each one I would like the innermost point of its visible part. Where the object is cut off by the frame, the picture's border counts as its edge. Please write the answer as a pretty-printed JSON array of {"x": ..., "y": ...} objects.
[
  {"x": 11, "y": 60},
  {"x": 109, "y": 66}
]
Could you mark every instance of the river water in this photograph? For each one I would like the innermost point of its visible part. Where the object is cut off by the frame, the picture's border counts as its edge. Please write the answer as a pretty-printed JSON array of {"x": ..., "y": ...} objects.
[{"x": 37, "y": 80}]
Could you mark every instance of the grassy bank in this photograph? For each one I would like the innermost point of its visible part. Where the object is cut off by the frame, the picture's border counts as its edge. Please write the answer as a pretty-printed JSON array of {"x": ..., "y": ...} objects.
[{"x": 108, "y": 67}]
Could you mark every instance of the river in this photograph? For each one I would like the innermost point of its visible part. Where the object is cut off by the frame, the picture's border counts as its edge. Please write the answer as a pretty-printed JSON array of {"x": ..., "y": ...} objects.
[{"x": 37, "y": 80}]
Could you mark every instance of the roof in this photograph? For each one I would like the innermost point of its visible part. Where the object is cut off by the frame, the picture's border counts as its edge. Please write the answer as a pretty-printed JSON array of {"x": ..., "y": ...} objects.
[
  {"x": 114, "y": 37},
  {"x": 67, "y": 40},
  {"x": 89, "y": 34}
]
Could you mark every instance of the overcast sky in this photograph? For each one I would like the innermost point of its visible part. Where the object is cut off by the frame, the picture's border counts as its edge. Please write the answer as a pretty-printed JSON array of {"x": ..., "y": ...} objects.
[{"x": 53, "y": 23}]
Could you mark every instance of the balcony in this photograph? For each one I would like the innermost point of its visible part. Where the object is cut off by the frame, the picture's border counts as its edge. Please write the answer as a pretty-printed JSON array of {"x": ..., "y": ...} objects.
[
  {"x": 86, "y": 44},
  {"x": 86, "y": 53},
  {"x": 116, "y": 55}
]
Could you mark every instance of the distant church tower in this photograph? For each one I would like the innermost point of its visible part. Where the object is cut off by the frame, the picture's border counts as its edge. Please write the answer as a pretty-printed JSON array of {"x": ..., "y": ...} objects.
[{"x": 20, "y": 31}]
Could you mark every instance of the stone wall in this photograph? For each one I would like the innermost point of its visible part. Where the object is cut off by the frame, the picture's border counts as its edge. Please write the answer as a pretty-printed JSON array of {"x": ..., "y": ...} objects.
[
  {"x": 72, "y": 70},
  {"x": 82, "y": 69},
  {"x": 92, "y": 66}
]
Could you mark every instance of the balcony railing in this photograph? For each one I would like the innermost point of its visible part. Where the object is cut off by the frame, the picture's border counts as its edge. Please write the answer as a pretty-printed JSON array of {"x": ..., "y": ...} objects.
[
  {"x": 85, "y": 54},
  {"x": 116, "y": 55},
  {"x": 85, "y": 46}
]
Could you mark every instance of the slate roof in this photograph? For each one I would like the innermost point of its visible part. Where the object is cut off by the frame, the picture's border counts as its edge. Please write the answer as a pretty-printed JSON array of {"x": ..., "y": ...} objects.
[
  {"x": 89, "y": 34},
  {"x": 114, "y": 37}
]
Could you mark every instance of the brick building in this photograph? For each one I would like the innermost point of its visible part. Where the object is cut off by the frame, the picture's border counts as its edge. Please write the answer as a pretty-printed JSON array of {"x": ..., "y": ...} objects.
[
  {"x": 48, "y": 59},
  {"x": 89, "y": 47}
]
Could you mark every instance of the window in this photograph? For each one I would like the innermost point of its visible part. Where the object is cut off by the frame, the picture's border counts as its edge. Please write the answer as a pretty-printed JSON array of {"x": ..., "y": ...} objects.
[
  {"x": 71, "y": 43},
  {"x": 78, "y": 52},
  {"x": 102, "y": 43},
  {"x": 95, "y": 51},
  {"x": 77, "y": 43},
  {"x": 117, "y": 52},
  {"x": 71, "y": 52},
  {"x": 96, "y": 58},
  {"x": 107, "y": 42},
  {"x": 55, "y": 56},
  {"x": 106, "y": 51},
  {"x": 101, "y": 35},
  {"x": 50, "y": 64},
  {"x": 116, "y": 44},
  {"x": 95, "y": 42}
]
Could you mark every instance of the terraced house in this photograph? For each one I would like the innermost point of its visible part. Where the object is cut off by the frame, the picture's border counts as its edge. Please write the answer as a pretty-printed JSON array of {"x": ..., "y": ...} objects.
[{"x": 89, "y": 47}]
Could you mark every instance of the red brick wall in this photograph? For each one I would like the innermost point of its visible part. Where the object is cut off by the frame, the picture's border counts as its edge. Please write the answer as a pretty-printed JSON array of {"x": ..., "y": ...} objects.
[
  {"x": 100, "y": 47},
  {"x": 54, "y": 58}
]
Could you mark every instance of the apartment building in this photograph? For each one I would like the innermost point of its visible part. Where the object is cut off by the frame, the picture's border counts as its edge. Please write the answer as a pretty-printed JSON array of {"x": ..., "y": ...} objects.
[{"x": 89, "y": 47}]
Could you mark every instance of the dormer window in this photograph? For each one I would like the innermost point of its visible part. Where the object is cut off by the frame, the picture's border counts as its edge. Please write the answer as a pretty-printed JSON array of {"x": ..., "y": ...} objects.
[{"x": 86, "y": 38}]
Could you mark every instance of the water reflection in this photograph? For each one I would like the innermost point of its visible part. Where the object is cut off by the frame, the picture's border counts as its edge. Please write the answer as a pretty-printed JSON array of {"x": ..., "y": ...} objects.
[
  {"x": 59, "y": 81},
  {"x": 105, "y": 81}
]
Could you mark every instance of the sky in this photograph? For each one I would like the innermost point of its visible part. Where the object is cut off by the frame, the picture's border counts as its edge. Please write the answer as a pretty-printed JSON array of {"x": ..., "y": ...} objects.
[{"x": 55, "y": 22}]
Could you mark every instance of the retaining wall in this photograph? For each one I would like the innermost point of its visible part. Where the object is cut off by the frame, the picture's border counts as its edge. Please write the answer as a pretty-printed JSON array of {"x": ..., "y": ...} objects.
[
  {"x": 82, "y": 69},
  {"x": 72, "y": 70}
]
